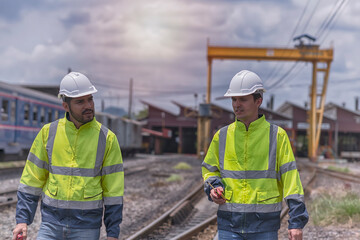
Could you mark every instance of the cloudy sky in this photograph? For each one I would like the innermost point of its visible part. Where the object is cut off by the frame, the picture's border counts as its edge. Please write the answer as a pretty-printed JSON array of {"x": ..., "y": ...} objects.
[{"x": 161, "y": 45}]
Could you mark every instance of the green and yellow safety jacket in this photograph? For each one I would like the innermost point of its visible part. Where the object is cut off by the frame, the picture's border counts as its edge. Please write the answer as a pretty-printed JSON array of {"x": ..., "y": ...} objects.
[
  {"x": 257, "y": 169},
  {"x": 76, "y": 172}
]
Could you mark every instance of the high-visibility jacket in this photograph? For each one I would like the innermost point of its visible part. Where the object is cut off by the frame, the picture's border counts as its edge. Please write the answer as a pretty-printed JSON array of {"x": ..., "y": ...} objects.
[
  {"x": 257, "y": 169},
  {"x": 76, "y": 172}
]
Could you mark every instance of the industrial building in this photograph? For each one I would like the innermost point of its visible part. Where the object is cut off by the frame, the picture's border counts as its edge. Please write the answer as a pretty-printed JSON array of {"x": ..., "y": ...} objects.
[{"x": 340, "y": 129}]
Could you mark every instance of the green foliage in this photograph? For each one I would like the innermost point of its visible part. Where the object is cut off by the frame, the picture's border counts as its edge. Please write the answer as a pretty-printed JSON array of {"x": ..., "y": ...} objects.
[
  {"x": 182, "y": 166},
  {"x": 142, "y": 114},
  {"x": 174, "y": 178},
  {"x": 326, "y": 209},
  {"x": 338, "y": 169}
]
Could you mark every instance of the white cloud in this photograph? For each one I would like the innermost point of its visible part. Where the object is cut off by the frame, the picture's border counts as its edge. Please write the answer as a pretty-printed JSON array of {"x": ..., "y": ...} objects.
[{"x": 162, "y": 44}]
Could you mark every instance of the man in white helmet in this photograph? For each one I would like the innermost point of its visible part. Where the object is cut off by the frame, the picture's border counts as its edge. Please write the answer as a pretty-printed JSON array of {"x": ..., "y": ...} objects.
[
  {"x": 75, "y": 165},
  {"x": 250, "y": 168}
]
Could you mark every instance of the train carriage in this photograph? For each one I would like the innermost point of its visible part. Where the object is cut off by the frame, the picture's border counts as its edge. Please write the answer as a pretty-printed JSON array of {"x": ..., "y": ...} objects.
[
  {"x": 23, "y": 113},
  {"x": 127, "y": 131}
]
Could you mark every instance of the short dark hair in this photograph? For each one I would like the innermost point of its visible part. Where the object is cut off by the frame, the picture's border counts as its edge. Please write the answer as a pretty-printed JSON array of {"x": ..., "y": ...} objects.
[
  {"x": 256, "y": 96},
  {"x": 66, "y": 99}
]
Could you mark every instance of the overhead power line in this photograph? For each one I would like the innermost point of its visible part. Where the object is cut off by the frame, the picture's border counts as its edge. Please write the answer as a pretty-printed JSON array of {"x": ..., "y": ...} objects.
[
  {"x": 280, "y": 66},
  {"x": 328, "y": 20},
  {"x": 137, "y": 89},
  {"x": 310, "y": 17},
  {"x": 325, "y": 27},
  {"x": 322, "y": 26},
  {"x": 333, "y": 82},
  {"x": 283, "y": 77},
  {"x": 333, "y": 22}
]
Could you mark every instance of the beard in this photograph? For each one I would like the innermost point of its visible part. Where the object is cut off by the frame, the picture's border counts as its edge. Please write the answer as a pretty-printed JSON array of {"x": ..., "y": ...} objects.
[{"x": 86, "y": 116}]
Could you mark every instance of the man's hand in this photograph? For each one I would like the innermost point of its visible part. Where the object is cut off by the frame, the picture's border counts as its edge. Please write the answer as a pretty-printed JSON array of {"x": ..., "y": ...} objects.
[
  {"x": 215, "y": 195},
  {"x": 295, "y": 234},
  {"x": 20, "y": 228}
]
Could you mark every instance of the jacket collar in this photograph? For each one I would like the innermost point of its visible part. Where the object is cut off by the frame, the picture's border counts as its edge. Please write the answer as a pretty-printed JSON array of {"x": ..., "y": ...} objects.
[{"x": 253, "y": 125}]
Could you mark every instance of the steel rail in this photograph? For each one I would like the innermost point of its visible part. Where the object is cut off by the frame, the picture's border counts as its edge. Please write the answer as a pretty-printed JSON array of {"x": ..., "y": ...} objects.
[
  {"x": 196, "y": 229},
  {"x": 164, "y": 217},
  {"x": 193, "y": 231},
  {"x": 340, "y": 175},
  {"x": 212, "y": 220},
  {"x": 317, "y": 169}
]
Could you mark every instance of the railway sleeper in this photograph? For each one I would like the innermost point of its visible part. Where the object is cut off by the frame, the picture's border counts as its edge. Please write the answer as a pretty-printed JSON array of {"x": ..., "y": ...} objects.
[
  {"x": 6, "y": 199},
  {"x": 181, "y": 213}
]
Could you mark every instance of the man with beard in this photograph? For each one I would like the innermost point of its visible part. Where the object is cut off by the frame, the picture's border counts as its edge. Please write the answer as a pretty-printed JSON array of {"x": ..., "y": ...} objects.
[
  {"x": 250, "y": 168},
  {"x": 75, "y": 165}
]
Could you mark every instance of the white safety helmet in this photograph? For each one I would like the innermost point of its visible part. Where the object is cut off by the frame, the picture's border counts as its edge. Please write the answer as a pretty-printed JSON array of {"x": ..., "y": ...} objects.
[
  {"x": 245, "y": 83},
  {"x": 75, "y": 85}
]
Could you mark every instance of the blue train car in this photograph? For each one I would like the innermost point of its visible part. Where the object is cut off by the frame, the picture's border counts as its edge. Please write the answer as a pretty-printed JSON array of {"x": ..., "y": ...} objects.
[{"x": 23, "y": 113}]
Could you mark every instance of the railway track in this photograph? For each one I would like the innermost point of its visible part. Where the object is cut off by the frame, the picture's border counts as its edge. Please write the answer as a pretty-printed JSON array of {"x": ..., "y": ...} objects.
[
  {"x": 9, "y": 180},
  {"x": 186, "y": 218},
  {"x": 336, "y": 174},
  {"x": 8, "y": 197},
  {"x": 343, "y": 176},
  {"x": 315, "y": 170},
  {"x": 204, "y": 215},
  {"x": 195, "y": 213}
]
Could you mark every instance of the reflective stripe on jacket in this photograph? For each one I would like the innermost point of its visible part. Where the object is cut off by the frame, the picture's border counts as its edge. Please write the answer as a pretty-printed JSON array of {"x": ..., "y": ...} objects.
[
  {"x": 76, "y": 171},
  {"x": 257, "y": 169}
]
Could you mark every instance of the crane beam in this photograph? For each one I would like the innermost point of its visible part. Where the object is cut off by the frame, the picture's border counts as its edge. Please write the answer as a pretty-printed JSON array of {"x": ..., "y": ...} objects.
[{"x": 305, "y": 53}]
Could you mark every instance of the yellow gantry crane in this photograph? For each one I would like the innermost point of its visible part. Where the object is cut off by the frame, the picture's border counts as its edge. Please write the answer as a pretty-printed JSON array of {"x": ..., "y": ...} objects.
[{"x": 320, "y": 59}]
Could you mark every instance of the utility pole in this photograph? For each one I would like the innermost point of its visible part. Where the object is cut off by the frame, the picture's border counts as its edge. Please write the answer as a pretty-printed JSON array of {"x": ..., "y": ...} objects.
[{"x": 130, "y": 97}]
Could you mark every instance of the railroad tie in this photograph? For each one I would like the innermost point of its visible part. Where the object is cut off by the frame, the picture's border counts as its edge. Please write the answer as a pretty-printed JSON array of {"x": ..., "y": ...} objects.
[{"x": 181, "y": 213}]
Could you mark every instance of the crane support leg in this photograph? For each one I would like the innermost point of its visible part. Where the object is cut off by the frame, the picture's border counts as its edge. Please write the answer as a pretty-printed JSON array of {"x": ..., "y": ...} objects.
[{"x": 316, "y": 111}]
